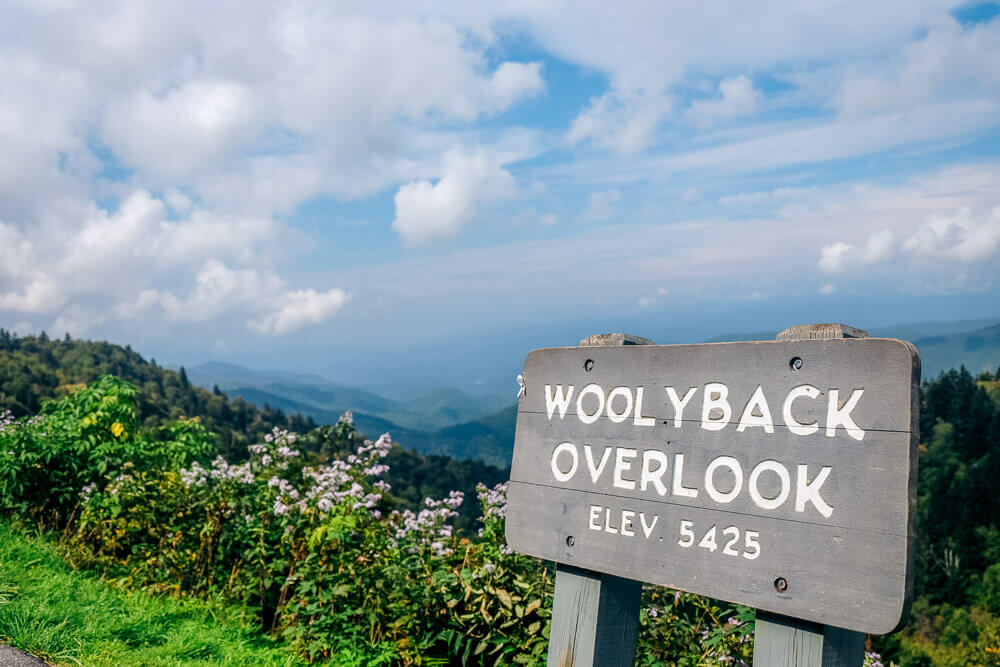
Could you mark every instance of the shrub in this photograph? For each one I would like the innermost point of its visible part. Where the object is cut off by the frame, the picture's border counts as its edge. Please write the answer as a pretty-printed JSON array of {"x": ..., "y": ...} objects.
[{"x": 313, "y": 544}]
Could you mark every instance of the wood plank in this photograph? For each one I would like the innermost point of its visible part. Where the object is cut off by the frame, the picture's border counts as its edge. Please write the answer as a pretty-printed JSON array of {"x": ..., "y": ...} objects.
[
  {"x": 847, "y": 565},
  {"x": 595, "y": 619}
]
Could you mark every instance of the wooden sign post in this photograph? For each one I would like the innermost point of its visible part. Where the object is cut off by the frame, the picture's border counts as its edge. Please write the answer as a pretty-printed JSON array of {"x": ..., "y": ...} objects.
[{"x": 779, "y": 475}]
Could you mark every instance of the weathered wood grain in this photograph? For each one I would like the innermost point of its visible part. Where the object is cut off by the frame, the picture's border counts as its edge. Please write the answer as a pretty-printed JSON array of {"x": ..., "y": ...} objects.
[
  {"x": 595, "y": 619},
  {"x": 850, "y": 570}
]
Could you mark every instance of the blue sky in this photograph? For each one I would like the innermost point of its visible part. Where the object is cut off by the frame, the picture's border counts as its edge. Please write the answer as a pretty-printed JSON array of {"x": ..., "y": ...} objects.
[{"x": 423, "y": 192}]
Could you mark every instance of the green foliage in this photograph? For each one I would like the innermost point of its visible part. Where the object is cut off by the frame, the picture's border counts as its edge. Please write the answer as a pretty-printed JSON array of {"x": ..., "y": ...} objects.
[
  {"x": 310, "y": 540},
  {"x": 956, "y": 618},
  {"x": 70, "y": 618},
  {"x": 36, "y": 369},
  {"x": 33, "y": 370}
]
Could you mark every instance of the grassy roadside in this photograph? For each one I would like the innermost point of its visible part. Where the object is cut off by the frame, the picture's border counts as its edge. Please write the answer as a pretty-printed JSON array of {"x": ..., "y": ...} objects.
[{"x": 73, "y": 618}]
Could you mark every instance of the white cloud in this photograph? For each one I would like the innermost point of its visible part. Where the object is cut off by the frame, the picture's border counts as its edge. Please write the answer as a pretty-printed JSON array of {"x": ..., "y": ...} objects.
[
  {"x": 736, "y": 97},
  {"x": 174, "y": 136},
  {"x": 513, "y": 81},
  {"x": 772, "y": 146},
  {"x": 601, "y": 205},
  {"x": 841, "y": 256},
  {"x": 303, "y": 307},
  {"x": 828, "y": 289},
  {"x": 208, "y": 137},
  {"x": 427, "y": 212},
  {"x": 260, "y": 296},
  {"x": 99, "y": 266},
  {"x": 951, "y": 61},
  {"x": 941, "y": 232},
  {"x": 622, "y": 121},
  {"x": 833, "y": 258},
  {"x": 962, "y": 237},
  {"x": 648, "y": 48},
  {"x": 650, "y": 299},
  {"x": 290, "y": 101},
  {"x": 701, "y": 259}
]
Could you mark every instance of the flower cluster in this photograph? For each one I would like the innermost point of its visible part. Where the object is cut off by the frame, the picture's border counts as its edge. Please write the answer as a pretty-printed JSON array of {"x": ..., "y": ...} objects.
[
  {"x": 333, "y": 484},
  {"x": 221, "y": 470},
  {"x": 873, "y": 659},
  {"x": 428, "y": 526},
  {"x": 6, "y": 419},
  {"x": 494, "y": 501}
]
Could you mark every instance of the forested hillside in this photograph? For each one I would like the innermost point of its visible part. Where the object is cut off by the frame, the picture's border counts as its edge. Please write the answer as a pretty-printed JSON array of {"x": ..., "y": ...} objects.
[
  {"x": 956, "y": 614},
  {"x": 34, "y": 369}
]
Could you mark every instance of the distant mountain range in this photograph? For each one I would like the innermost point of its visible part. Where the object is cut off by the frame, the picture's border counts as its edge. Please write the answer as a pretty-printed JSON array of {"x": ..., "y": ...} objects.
[
  {"x": 460, "y": 425},
  {"x": 974, "y": 344},
  {"x": 439, "y": 420}
]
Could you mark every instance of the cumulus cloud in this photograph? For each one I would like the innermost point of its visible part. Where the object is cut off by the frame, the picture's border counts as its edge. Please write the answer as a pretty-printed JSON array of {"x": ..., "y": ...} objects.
[
  {"x": 105, "y": 265},
  {"x": 173, "y": 136},
  {"x": 427, "y": 212},
  {"x": 248, "y": 112},
  {"x": 841, "y": 256},
  {"x": 962, "y": 237},
  {"x": 943, "y": 230},
  {"x": 300, "y": 308},
  {"x": 735, "y": 97},
  {"x": 270, "y": 307},
  {"x": 622, "y": 121},
  {"x": 951, "y": 61},
  {"x": 149, "y": 156}
]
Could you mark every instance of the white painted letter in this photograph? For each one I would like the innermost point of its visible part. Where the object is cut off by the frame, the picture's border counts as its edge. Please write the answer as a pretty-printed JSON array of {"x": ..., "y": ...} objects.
[
  {"x": 608, "y": 528},
  {"x": 679, "y": 488},
  {"x": 557, "y": 399},
  {"x": 797, "y": 427},
  {"x": 679, "y": 403},
  {"x": 595, "y": 514},
  {"x": 759, "y": 403},
  {"x": 715, "y": 397},
  {"x": 737, "y": 470},
  {"x": 655, "y": 475},
  {"x": 628, "y": 516},
  {"x": 619, "y": 417},
  {"x": 596, "y": 390},
  {"x": 622, "y": 453},
  {"x": 806, "y": 491},
  {"x": 556, "y": 472},
  {"x": 841, "y": 416},
  {"x": 595, "y": 471},
  {"x": 637, "y": 417},
  {"x": 786, "y": 485},
  {"x": 648, "y": 530}
]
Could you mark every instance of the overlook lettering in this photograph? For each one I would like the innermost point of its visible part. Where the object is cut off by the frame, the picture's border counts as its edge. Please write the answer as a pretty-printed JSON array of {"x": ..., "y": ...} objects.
[
  {"x": 721, "y": 468},
  {"x": 618, "y": 403}
]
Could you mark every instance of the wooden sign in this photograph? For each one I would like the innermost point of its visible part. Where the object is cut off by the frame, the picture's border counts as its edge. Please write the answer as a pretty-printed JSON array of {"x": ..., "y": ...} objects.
[{"x": 779, "y": 475}]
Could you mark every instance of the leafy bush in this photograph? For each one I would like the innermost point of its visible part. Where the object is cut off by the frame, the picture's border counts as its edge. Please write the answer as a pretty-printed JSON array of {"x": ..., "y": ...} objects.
[{"x": 318, "y": 547}]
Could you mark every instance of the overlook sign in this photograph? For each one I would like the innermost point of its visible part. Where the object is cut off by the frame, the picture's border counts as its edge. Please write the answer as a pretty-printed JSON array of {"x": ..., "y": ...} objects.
[{"x": 778, "y": 475}]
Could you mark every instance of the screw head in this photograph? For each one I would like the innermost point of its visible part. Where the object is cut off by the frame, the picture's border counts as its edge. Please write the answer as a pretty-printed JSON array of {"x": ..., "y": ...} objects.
[
  {"x": 588, "y": 365},
  {"x": 570, "y": 541},
  {"x": 781, "y": 584},
  {"x": 795, "y": 363}
]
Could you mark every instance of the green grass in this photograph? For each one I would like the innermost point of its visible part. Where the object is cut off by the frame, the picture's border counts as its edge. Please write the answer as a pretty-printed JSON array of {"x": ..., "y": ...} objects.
[{"x": 73, "y": 618}]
